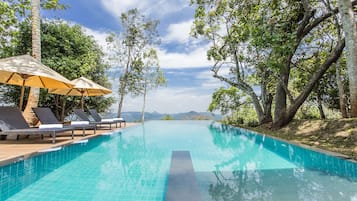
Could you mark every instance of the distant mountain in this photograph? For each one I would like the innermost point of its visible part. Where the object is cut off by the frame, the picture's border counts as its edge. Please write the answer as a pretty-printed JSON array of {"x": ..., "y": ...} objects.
[{"x": 192, "y": 115}]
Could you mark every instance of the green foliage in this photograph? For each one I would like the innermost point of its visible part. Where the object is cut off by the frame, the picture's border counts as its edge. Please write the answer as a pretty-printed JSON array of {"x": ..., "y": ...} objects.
[
  {"x": 167, "y": 117},
  {"x": 151, "y": 76},
  {"x": 280, "y": 45},
  {"x": 70, "y": 52},
  {"x": 252, "y": 123},
  {"x": 226, "y": 100},
  {"x": 230, "y": 103},
  {"x": 12, "y": 13},
  {"x": 244, "y": 114},
  {"x": 310, "y": 111}
]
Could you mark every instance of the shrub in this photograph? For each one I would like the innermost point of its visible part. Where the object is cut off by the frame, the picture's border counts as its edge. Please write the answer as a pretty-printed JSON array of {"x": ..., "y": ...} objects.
[
  {"x": 253, "y": 123},
  {"x": 167, "y": 117}
]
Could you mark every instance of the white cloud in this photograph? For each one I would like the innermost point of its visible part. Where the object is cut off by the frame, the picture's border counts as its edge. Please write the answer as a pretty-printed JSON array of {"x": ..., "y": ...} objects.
[
  {"x": 175, "y": 99},
  {"x": 179, "y": 32},
  {"x": 148, "y": 7},
  {"x": 195, "y": 58},
  {"x": 116, "y": 7},
  {"x": 171, "y": 100},
  {"x": 98, "y": 36},
  {"x": 208, "y": 81}
]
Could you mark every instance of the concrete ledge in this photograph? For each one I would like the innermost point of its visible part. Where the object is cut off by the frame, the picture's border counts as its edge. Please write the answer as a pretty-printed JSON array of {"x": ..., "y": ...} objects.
[{"x": 182, "y": 184}]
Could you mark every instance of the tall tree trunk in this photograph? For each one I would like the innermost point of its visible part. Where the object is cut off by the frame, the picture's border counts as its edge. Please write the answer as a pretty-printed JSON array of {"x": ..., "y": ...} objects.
[
  {"x": 63, "y": 111},
  {"x": 123, "y": 82},
  {"x": 340, "y": 84},
  {"x": 341, "y": 92},
  {"x": 121, "y": 98},
  {"x": 34, "y": 94},
  {"x": 143, "y": 108},
  {"x": 267, "y": 99},
  {"x": 122, "y": 90},
  {"x": 57, "y": 106},
  {"x": 350, "y": 29},
  {"x": 280, "y": 99},
  {"x": 319, "y": 104}
]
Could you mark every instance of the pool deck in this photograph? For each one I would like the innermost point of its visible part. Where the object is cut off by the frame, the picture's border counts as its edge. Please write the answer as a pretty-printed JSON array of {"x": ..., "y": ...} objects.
[{"x": 13, "y": 150}]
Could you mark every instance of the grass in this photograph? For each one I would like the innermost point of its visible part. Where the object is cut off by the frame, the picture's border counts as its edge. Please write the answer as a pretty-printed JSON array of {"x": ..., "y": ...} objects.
[{"x": 336, "y": 135}]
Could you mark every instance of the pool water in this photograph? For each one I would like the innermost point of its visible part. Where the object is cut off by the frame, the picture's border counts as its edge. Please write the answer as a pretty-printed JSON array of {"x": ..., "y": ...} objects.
[{"x": 230, "y": 164}]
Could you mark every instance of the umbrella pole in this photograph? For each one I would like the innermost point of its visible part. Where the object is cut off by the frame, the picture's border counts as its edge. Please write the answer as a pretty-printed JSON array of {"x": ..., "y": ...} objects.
[
  {"x": 22, "y": 95},
  {"x": 82, "y": 102}
]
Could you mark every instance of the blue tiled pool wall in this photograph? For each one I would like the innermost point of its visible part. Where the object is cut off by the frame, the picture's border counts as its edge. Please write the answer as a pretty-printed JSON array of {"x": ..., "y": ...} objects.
[
  {"x": 310, "y": 159},
  {"x": 16, "y": 176},
  {"x": 302, "y": 157}
]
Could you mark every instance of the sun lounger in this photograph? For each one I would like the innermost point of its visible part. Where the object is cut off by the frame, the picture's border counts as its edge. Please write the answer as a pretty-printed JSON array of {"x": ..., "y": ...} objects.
[
  {"x": 98, "y": 118},
  {"x": 84, "y": 117},
  {"x": 46, "y": 117},
  {"x": 12, "y": 122}
]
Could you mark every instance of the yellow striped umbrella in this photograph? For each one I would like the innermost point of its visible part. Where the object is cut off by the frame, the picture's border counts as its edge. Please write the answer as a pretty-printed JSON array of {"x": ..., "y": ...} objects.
[{"x": 25, "y": 70}]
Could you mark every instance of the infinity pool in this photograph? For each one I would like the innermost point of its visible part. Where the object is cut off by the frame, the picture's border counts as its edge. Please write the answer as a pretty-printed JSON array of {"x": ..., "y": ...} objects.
[{"x": 230, "y": 164}]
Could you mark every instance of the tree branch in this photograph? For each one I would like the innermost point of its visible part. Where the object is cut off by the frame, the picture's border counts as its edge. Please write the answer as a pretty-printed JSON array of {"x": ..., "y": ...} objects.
[
  {"x": 317, "y": 21},
  {"x": 247, "y": 89},
  {"x": 336, "y": 53}
]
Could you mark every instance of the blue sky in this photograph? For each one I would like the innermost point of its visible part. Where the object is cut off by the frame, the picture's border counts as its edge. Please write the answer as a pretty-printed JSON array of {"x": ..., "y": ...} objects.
[{"x": 183, "y": 58}]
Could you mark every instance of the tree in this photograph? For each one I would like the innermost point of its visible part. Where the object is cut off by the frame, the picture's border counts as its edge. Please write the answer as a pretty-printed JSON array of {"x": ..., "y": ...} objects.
[
  {"x": 152, "y": 77},
  {"x": 8, "y": 22},
  {"x": 225, "y": 23},
  {"x": 339, "y": 67},
  {"x": 138, "y": 37},
  {"x": 325, "y": 91},
  {"x": 261, "y": 42},
  {"x": 34, "y": 93},
  {"x": 314, "y": 16},
  {"x": 70, "y": 52},
  {"x": 226, "y": 100},
  {"x": 350, "y": 30},
  {"x": 11, "y": 13},
  {"x": 167, "y": 117}
]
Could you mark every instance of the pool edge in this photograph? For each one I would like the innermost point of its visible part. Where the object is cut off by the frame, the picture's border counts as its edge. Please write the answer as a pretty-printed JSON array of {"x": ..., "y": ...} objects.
[{"x": 316, "y": 149}]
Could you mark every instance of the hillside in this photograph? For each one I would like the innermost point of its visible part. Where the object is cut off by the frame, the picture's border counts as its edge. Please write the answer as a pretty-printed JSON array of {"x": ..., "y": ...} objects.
[
  {"x": 136, "y": 116},
  {"x": 337, "y": 135}
]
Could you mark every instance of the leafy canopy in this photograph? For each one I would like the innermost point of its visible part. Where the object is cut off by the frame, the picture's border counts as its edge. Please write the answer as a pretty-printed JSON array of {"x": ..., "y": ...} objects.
[{"x": 70, "y": 52}]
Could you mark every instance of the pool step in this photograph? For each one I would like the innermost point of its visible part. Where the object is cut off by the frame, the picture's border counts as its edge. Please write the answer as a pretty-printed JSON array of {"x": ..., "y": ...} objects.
[{"x": 182, "y": 184}]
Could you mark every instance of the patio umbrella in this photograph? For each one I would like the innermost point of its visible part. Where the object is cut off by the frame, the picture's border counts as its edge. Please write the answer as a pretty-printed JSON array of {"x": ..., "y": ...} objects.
[
  {"x": 82, "y": 87},
  {"x": 25, "y": 70}
]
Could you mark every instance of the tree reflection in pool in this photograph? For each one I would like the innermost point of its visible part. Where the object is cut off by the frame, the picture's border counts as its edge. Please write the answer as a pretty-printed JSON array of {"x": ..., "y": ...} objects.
[{"x": 316, "y": 176}]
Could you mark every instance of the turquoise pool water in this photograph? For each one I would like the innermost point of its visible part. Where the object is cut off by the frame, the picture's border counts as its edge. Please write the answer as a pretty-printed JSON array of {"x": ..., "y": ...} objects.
[{"x": 230, "y": 164}]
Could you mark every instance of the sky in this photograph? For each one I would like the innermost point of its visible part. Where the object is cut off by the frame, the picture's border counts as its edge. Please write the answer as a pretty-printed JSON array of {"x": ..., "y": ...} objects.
[{"x": 182, "y": 58}]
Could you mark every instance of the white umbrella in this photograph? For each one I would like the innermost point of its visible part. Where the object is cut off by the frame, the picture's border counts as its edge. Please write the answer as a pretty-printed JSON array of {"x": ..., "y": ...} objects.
[{"x": 83, "y": 87}]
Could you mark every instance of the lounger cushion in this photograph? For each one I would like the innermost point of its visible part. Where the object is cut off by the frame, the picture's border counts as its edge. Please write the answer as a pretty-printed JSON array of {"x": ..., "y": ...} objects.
[
  {"x": 44, "y": 126},
  {"x": 107, "y": 120},
  {"x": 118, "y": 119},
  {"x": 79, "y": 122}
]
